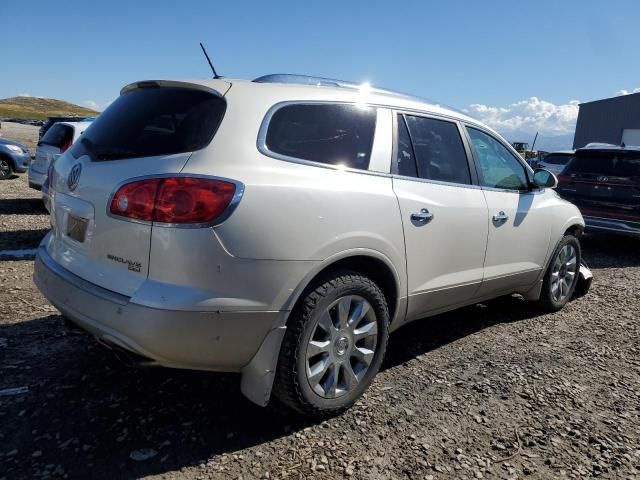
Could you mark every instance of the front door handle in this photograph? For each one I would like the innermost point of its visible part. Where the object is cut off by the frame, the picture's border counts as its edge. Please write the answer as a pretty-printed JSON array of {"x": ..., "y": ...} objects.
[
  {"x": 500, "y": 217},
  {"x": 423, "y": 216}
]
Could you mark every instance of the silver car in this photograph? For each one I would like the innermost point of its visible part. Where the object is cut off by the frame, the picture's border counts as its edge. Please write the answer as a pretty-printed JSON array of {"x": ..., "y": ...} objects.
[{"x": 283, "y": 227}]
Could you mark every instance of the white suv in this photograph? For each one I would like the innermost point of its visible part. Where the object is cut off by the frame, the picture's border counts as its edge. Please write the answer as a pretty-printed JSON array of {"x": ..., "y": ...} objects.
[
  {"x": 282, "y": 229},
  {"x": 56, "y": 141}
]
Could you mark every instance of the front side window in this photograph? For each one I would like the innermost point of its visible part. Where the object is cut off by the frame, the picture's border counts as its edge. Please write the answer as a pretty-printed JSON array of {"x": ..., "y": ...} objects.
[
  {"x": 334, "y": 134},
  {"x": 439, "y": 151},
  {"x": 498, "y": 167}
]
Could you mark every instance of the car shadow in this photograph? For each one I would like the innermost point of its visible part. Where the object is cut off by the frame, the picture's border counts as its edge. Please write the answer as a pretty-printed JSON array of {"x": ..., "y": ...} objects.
[
  {"x": 86, "y": 412},
  {"x": 22, "y": 206},
  {"x": 602, "y": 250},
  {"x": 425, "y": 335},
  {"x": 21, "y": 239}
]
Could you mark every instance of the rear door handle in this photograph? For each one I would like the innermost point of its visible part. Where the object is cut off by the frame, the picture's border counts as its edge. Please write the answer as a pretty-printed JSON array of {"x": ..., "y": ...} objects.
[
  {"x": 423, "y": 216},
  {"x": 500, "y": 217}
]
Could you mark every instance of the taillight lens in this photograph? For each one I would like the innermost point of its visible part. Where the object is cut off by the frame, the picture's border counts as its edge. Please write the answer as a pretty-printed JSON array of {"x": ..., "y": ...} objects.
[
  {"x": 64, "y": 147},
  {"x": 176, "y": 200}
]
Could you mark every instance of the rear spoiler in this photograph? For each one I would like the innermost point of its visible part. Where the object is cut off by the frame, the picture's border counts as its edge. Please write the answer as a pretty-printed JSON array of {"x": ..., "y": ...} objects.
[{"x": 217, "y": 86}]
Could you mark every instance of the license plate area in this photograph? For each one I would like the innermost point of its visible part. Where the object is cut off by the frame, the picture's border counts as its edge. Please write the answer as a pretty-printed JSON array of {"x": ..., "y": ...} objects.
[{"x": 76, "y": 228}]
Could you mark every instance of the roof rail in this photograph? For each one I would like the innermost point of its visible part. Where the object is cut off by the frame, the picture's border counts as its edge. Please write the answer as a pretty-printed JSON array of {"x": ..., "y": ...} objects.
[{"x": 330, "y": 82}]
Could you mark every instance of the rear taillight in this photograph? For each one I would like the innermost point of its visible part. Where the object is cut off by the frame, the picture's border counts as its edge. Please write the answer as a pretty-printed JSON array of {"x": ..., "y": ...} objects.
[
  {"x": 175, "y": 200},
  {"x": 64, "y": 147}
]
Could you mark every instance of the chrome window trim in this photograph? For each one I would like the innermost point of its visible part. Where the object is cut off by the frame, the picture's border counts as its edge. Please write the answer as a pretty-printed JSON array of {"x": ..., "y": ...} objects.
[
  {"x": 436, "y": 182},
  {"x": 266, "y": 121},
  {"x": 235, "y": 200}
]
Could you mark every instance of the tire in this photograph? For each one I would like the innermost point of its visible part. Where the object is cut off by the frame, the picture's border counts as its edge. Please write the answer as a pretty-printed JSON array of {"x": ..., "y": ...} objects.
[
  {"x": 6, "y": 169},
  {"x": 550, "y": 300},
  {"x": 303, "y": 382}
]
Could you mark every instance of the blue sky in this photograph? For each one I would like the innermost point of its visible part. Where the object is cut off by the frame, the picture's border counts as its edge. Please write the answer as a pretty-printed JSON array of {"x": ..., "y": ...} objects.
[{"x": 483, "y": 56}]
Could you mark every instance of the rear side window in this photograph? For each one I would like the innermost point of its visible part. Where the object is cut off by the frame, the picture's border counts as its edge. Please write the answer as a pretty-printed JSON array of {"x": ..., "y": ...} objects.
[
  {"x": 324, "y": 133},
  {"x": 148, "y": 122},
  {"x": 439, "y": 151},
  {"x": 58, "y": 135}
]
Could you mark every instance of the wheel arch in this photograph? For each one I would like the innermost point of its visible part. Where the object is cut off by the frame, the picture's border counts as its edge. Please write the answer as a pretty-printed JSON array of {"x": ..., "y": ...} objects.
[
  {"x": 9, "y": 158},
  {"x": 373, "y": 264}
]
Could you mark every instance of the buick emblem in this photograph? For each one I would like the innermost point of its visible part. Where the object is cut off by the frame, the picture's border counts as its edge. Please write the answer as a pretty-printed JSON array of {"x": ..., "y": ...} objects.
[{"x": 74, "y": 177}]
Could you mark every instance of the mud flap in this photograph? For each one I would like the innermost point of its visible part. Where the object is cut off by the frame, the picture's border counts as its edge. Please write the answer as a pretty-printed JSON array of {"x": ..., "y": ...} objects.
[{"x": 585, "y": 277}]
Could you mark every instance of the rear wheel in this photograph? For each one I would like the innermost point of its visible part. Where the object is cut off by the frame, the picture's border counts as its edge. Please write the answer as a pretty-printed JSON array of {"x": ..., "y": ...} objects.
[
  {"x": 561, "y": 278},
  {"x": 335, "y": 342},
  {"x": 6, "y": 169}
]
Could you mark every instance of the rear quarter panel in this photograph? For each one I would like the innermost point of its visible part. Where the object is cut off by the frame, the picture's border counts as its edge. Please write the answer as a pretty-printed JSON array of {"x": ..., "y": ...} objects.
[{"x": 297, "y": 212}]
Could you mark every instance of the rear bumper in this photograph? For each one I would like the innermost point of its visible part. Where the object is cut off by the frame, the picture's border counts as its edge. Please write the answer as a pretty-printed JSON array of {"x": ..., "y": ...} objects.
[
  {"x": 611, "y": 225},
  {"x": 217, "y": 340}
]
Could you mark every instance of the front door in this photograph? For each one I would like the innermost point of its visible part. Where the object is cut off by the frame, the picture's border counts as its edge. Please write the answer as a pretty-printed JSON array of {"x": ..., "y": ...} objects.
[
  {"x": 444, "y": 215},
  {"x": 519, "y": 228}
]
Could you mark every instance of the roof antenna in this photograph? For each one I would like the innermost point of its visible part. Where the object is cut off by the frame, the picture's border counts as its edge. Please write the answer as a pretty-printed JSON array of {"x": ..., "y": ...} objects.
[{"x": 215, "y": 75}]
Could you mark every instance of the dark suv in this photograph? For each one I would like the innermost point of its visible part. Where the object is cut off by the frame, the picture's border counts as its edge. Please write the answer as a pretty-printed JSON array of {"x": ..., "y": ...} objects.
[{"x": 604, "y": 182}]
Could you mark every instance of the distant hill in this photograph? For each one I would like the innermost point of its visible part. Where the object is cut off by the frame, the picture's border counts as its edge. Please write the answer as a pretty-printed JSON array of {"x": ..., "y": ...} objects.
[{"x": 34, "y": 108}]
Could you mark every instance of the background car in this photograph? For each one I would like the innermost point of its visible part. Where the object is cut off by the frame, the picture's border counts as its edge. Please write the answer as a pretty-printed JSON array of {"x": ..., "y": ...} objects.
[
  {"x": 604, "y": 182},
  {"x": 68, "y": 118},
  {"x": 555, "y": 161},
  {"x": 14, "y": 158},
  {"x": 56, "y": 141}
]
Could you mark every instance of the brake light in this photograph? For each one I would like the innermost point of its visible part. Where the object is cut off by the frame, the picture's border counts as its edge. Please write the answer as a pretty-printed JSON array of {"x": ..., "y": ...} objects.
[
  {"x": 65, "y": 146},
  {"x": 176, "y": 200}
]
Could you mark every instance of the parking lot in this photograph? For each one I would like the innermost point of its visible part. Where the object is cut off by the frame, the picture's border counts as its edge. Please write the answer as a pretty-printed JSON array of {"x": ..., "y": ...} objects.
[{"x": 493, "y": 390}]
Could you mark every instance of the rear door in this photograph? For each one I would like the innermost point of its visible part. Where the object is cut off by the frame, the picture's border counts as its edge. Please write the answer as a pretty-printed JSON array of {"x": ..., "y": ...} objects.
[
  {"x": 149, "y": 130},
  {"x": 444, "y": 215},
  {"x": 519, "y": 227}
]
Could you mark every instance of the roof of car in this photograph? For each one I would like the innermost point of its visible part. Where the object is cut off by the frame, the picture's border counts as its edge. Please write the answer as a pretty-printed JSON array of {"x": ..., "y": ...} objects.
[
  {"x": 607, "y": 147},
  {"x": 302, "y": 87},
  {"x": 562, "y": 152},
  {"x": 78, "y": 125}
]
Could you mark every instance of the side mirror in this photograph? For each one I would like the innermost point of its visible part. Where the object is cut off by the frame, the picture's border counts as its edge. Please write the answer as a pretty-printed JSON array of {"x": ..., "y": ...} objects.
[{"x": 544, "y": 178}]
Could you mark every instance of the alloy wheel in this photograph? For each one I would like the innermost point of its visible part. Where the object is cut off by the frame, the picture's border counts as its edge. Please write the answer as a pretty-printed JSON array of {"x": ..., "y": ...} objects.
[
  {"x": 563, "y": 274},
  {"x": 342, "y": 346},
  {"x": 5, "y": 169}
]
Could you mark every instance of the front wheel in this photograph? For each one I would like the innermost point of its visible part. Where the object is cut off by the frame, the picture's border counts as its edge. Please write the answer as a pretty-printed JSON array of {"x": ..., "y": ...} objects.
[
  {"x": 335, "y": 342},
  {"x": 6, "y": 169},
  {"x": 561, "y": 277}
]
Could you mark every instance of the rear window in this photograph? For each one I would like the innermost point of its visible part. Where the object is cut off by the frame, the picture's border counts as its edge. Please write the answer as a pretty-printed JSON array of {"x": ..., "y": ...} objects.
[
  {"x": 557, "y": 159},
  {"x": 150, "y": 122},
  {"x": 58, "y": 135},
  {"x": 613, "y": 164},
  {"x": 325, "y": 133}
]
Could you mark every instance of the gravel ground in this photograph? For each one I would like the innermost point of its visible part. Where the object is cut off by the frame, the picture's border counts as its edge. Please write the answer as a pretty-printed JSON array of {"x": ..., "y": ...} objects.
[{"x": 494, "y": 390}]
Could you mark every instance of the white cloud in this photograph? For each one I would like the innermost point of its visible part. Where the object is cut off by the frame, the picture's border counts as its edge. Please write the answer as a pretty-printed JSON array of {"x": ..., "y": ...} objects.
[
  {"x": 627, "y": 92},
  {"x": 93, "y": 105},
  {"x": 531, "y": 115}
]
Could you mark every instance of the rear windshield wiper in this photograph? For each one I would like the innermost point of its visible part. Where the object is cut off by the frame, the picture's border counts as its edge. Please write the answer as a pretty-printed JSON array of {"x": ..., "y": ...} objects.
[{"x": 102, "y": 153}]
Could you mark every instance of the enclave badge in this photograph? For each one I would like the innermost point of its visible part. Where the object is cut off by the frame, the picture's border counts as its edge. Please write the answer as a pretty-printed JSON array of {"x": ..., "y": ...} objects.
[{"x": 74, "y": 176}]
